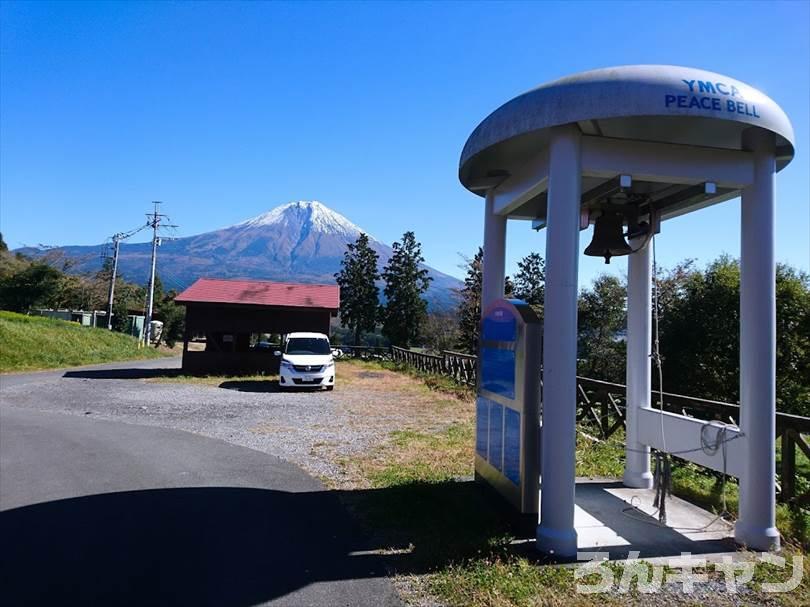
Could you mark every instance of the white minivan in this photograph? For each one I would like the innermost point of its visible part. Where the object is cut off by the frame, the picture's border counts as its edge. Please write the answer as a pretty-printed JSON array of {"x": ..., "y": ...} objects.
[{"x": 306, "y": 362}]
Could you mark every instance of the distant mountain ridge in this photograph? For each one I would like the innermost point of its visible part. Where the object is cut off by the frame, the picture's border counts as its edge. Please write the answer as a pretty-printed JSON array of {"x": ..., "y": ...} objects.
[{"x": 302, "y": 241}]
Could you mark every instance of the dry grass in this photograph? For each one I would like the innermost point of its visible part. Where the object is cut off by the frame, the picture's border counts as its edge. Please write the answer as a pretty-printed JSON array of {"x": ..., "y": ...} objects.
[{"x": 418, "y": 424}]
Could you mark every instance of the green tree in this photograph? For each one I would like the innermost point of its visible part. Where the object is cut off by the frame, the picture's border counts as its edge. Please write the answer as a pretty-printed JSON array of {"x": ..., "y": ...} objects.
[
  {"x": 120, "y": 311},
  {"x": 169, "y": 313},
  {"x": 406, "y": 280},
  {"x": 359, "y": 295},
  {"x": 530, "y": 281},
  {"x": 440, "y": 331},
  {"x": 601, "y": 324},
  {"x": 36, "y": 284},
  {"x": 3, "y": 245},
  {"x": 700, "y": 334},
  {"x": 128, "y": 296},
  {"x": 508, "y": 287},
  {"x": 792, "y": 341},
  {"x": 76, "y": 293},
  {"x": 173, "y": 317},
  {"x": 468, "y": 310}
]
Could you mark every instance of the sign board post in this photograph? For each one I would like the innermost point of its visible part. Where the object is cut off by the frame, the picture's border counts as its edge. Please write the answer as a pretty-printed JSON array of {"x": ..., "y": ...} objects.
[{"x": 507, "y": 421}]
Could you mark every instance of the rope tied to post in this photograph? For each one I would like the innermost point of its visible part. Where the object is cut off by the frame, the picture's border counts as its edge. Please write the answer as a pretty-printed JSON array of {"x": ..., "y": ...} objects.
[{"x": 662, "y": 484}]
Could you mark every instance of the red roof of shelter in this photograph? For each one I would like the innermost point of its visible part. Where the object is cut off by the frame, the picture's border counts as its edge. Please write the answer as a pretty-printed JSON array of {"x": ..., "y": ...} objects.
[{"x": 261, "y": 293}]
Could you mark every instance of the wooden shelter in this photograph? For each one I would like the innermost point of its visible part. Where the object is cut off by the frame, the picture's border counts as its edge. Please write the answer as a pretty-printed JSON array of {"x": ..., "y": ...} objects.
[{"x": 233, "y": 314}]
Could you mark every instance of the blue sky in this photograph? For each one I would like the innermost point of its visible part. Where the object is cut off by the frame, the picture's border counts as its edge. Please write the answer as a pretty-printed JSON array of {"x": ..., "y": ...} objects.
[{"x": 224, "y": 111}]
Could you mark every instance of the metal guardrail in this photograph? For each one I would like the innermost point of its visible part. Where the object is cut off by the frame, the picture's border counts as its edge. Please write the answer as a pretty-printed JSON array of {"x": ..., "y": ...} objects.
[{"x": 601, "y": 405}]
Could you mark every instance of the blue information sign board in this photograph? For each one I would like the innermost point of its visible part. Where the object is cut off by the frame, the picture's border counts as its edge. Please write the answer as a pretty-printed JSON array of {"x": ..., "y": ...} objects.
[
  {"x": 498, "y": 371},
  {"x": 507, "y": 404},
  {"x": 482, "y": 427}
]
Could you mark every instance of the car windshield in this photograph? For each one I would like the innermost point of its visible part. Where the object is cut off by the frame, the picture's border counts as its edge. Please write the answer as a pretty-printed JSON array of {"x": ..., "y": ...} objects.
[{"x": 308, "y": 345}]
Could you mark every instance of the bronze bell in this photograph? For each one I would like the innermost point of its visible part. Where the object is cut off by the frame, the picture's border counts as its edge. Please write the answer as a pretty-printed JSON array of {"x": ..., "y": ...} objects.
[{"x": 608, "y": 238}]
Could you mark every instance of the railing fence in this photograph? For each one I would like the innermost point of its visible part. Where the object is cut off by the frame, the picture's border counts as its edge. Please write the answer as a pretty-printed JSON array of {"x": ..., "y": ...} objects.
[{"x": 601, "y": 405}]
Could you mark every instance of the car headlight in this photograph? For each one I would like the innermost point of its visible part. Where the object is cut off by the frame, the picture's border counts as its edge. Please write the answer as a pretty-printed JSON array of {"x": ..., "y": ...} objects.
[
  {"x": 330, "y": 364},
  {"x": 286, "y": 364}
]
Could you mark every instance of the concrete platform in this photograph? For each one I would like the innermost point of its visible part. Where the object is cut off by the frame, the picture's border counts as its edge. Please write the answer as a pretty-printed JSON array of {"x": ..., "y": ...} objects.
[{"x": 606, "y": 521}]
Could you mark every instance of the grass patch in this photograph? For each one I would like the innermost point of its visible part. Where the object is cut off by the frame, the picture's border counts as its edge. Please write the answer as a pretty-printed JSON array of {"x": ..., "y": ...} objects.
[
  {"x": 413, "y": 460},
  {"x": 508, "y": 582},
  {"x": 437, "y": 383},
  {"x": 31, "y": 343},
  {"x": 600, "y": 459}
]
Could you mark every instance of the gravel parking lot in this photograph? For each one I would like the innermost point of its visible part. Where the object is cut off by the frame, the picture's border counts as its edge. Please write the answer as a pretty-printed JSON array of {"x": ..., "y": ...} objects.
[{"x": 315, "y": 430}]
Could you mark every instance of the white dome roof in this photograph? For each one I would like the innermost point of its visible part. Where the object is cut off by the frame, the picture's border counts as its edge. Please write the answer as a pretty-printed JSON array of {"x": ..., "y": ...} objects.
[{"x": 660, "y": 103}]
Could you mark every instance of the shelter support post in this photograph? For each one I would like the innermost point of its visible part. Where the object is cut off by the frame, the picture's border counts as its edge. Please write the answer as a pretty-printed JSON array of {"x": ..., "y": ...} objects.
[
  {"x": 494, "y": 261},
  {"x": 756, "y": 526},
  {"x": 555, "y": 532},
  {"x": 639, "y": 340}
]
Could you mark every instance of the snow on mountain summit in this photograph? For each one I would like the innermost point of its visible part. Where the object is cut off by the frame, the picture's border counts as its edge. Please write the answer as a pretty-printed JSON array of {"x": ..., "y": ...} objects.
[{"x": 310, "y": 213}]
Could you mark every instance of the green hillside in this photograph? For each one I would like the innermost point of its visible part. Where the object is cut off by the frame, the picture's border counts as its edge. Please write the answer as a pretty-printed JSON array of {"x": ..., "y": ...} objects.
[{"x": 28, "y": 343}]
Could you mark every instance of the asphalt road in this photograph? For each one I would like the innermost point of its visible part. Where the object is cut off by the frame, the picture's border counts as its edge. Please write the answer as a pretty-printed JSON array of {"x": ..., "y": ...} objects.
[{"x": 95, "y": 511}]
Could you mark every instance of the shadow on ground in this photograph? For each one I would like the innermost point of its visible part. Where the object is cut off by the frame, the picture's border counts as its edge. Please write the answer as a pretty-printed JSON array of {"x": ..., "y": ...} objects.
[
  {"x": 134, "y": 373},
  {"x": 196, "y": 546},
  {"x": 451, "y": 522},
  {"x": 237, "y": 546},
  {"x": 252, "y": 385},
  {"x": 233, "y": 546},
  {"x": 239, "y": 385}
]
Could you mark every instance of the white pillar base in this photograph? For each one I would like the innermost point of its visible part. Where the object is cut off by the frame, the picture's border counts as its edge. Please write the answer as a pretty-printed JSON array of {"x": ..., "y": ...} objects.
[
  {"x": 764, "y": 539},
  {"x": 559, "y": 543},
  {"x": 636, "y": 480}
]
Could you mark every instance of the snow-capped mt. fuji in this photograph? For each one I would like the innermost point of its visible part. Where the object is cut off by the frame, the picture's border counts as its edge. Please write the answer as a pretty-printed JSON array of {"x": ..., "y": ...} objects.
[
  {"x": 301, "y": 241},
  {"x": 298, "y": 238},
  {"x": 314, "y": 213}
]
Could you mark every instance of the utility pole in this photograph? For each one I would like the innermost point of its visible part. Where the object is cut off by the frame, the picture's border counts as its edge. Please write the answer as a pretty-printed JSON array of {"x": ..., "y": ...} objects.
[
  {"x": 154, "y": 220},
  {"x": 116, "y": 247}
]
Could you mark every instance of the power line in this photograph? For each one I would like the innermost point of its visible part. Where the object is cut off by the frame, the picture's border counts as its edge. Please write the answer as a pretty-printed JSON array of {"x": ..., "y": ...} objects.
[{"x": 116, "y": 240}]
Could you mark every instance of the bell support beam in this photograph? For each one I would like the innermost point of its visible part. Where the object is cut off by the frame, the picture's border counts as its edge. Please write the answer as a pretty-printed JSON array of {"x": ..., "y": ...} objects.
[
  {"x": 665, "y": 162},
  {"x": 643, "y": 161},
  {"x": 556, "y": 533},
  {"x": 676, "y": 433},
  {"x": 756, "y": 526},
  {"x": 524, "y": 184},
  {"x": 493, "y": 272},
  {"x": 606, "y": 189},
  {"x": 639, "y": 381}
]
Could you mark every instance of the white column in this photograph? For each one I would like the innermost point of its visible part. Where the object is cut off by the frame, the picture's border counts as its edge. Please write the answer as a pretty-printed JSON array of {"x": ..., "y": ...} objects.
[
  {"x": 756, "y": 526},
  {"x": 555, "y": 533},
  {"x": 494, "y": 262},
  {"x": 639, "y": 385}
]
